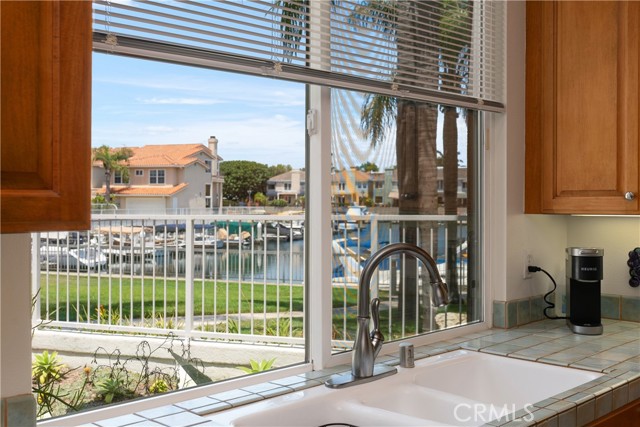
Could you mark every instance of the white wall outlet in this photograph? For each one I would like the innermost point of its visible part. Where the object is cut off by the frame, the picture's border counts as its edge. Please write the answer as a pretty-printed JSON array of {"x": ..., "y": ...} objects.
[{"x": 527, "y": 260}]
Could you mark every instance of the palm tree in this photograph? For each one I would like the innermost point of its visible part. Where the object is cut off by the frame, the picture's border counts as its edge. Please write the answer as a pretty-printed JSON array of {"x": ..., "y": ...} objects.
[
  {"x": 416, "y": 128},
  {"x": 113, "y": 160},
  {"x": 379, "y": 112},
  {"x": 455, "y": 36}
]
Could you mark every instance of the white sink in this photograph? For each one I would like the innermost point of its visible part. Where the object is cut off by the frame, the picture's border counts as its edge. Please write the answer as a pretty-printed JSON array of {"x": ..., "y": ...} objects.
[
  {"x": 496, "y": 380},
  {"x": 444, "y": 390}
]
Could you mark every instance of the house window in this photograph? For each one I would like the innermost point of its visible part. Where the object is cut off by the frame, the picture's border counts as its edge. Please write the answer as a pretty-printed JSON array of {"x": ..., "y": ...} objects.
[
  {"x": 156, "y": 176},
  {"x": 208, "y": 166},
  {"x": 139, "y": 172},
  {"x": 120, "y": 178},
  {"x": 287, "y": 186}
]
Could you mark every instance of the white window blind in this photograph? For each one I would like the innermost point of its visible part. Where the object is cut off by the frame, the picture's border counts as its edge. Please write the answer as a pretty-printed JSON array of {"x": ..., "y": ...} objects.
[{"x": 446, "y": 52}]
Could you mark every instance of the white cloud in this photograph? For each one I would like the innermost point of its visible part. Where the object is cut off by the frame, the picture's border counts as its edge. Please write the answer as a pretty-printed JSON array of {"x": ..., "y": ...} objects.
[
  {"x": 179, "y": 101},
  {"x": 270, "y": 139}
]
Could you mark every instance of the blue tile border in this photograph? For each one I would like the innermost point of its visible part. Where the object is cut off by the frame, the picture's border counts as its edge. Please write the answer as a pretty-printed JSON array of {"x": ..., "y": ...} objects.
[{"x": 630, "y": 308}]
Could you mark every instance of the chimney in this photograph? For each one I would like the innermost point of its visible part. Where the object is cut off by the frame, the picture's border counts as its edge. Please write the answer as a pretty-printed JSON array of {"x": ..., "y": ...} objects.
[{"x": 213, "y": 145}]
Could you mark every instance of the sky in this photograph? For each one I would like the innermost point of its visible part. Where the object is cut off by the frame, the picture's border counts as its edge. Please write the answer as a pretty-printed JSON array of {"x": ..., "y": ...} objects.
[{"x": 140, "y": 102}]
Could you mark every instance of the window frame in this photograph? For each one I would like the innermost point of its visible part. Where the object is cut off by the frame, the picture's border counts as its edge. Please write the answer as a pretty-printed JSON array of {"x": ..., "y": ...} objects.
[
  {"x": 118, "y": 178},
  {"x": 318, "y": 331},
  {"x": 157, "y": 174}
]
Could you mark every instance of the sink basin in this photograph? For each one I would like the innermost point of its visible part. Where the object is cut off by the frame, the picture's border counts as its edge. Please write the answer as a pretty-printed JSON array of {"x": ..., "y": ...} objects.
[
  {"x": 497, "y": 380},
  {"x": 451, "y": 389}
]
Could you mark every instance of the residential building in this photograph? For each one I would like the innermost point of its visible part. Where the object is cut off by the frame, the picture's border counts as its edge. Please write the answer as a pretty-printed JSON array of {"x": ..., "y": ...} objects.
[
  {"x": 289, "y": 186},
  {"x": 165, "y": 178},
  {"x": 349, "y": 186}
]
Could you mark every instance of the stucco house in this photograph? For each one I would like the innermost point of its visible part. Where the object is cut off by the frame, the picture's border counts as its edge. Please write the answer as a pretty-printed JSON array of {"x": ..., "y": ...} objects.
[
  {"x": 348, "y": 186},
  {"x": 288, "y": 186},
  {"x": 166, "y": 178}
]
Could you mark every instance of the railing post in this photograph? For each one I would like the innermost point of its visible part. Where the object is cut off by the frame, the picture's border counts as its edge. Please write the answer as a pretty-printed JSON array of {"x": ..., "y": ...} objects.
[
  {"x": 188, "y": 277},
  {"x": 36, "y": 315}
]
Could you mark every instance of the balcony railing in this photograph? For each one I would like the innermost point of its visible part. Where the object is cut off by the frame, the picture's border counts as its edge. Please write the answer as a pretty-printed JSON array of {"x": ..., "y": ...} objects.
[{"x": 223, "y": 277}]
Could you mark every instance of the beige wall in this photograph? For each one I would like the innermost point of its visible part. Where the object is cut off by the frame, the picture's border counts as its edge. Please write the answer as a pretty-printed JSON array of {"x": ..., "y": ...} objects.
[
  {"x": 15, "y": 314},
  {"x": 194, "y": 195}
]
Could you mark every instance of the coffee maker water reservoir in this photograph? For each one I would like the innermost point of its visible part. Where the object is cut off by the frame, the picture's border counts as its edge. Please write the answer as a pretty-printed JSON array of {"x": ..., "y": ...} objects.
[{"x": 584, "y": 273}]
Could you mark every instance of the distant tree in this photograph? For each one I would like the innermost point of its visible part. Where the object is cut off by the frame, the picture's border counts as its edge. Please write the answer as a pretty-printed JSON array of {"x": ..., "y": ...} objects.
[
  {"x": 260, "y": 199},
  {"x": 369, "y": 167},
  {"x": 279, "y": 169},
  {"x": 242, "y": 176},
  {"x": 113, "y": 160}
]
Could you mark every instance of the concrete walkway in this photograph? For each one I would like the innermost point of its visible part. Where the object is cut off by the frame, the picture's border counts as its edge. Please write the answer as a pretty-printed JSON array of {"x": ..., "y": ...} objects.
[{"x": 77, "y": 349}]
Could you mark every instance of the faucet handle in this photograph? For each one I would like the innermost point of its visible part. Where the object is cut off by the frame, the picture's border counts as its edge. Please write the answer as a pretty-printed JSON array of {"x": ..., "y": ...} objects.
[
  {"x": 375, "y": 313},
  {"x": 376, "y": 336}
]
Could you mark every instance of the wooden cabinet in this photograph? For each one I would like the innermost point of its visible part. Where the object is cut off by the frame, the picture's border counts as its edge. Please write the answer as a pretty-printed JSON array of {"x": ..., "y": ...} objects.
[
  {"x": 627, "y": 416},
  {"x": 46, "y": 115},
  {"x": 582, "y": 116}
]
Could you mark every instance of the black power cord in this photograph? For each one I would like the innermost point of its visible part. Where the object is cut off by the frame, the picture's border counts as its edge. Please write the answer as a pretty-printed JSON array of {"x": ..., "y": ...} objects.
[{"x": 550, "y": 305}]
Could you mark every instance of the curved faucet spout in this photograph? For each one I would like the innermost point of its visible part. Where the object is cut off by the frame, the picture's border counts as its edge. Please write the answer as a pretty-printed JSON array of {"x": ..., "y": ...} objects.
[
  {"x": 367, "y": 345},
  {"x": 440, "y": 294}
]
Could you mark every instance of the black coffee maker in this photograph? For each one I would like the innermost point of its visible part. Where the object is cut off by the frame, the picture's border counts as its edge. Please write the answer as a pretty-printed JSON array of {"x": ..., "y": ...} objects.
[{"x": 584, "y": 273}]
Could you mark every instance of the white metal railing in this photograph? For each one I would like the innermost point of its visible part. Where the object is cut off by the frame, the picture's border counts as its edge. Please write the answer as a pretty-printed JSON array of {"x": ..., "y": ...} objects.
[{"x": 230, "y": 277}]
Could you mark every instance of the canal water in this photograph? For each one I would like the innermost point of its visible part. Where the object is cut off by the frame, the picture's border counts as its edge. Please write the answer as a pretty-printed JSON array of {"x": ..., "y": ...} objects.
[{"x": 277, "y": 262}]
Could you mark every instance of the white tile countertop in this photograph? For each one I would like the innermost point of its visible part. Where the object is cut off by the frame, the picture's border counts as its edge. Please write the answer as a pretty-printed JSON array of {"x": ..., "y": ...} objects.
[{"x": 615, "y": 353}]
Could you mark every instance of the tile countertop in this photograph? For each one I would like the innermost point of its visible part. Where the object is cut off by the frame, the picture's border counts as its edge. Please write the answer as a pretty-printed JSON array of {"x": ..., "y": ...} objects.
[{"x": 615, "y": 353}]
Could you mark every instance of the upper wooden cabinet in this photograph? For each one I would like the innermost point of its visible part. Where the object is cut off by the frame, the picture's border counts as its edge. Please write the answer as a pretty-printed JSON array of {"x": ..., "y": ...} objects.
[
  {"x": 582, "y": 146},
  {"x": 46, "y": 115}
]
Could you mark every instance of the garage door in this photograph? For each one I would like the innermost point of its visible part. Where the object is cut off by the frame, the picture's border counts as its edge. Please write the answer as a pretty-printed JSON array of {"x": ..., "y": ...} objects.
[{"x": 145, "y": 204}]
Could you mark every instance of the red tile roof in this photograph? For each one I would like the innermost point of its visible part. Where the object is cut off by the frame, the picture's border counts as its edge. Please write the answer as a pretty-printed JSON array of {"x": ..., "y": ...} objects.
[
  {"x": 167, "y": 155},
  {"x": 145, "y": 190}
]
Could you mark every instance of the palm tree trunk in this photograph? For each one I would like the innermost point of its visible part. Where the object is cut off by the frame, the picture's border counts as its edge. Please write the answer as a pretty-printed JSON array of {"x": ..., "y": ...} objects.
[
  {"x": 107, "y": 191},
  {"x": 417, "y": 173}
]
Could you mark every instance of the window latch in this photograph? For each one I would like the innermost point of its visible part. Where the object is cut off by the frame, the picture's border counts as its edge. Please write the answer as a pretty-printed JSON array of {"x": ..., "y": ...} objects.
[{"x": 312, "y": 122}]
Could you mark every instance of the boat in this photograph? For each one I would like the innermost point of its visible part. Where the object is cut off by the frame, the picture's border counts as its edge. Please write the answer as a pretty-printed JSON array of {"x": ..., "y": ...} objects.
[
  {"x": 352, "y": 219},
  {"x": 56, "y": 252},
  {"x": 285, "y": 230}
]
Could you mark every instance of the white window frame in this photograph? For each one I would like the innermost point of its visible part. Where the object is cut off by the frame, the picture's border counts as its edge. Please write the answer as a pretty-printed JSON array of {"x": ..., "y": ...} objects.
[
  {"x": 118, "y": 178},
  {"x": 318, "y": 332},
  {"x": 157, "y": 174}
]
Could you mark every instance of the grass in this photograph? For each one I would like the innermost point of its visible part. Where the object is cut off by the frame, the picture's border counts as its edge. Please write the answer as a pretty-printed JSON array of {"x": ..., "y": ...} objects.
[
  {"x": 129, "y": 297},
  {"x": 115, "y": 298}
]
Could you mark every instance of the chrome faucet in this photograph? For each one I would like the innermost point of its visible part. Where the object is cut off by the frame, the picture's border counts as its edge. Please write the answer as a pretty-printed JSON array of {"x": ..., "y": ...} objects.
[{"x": 367, "y": 344}]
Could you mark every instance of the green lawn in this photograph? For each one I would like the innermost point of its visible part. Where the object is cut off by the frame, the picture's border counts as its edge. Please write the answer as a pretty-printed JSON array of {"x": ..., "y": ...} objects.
[
  {"x": 129, "y": 297},
  {"x": 125, "y": 295},
  {"x": 124, "y": 298}
]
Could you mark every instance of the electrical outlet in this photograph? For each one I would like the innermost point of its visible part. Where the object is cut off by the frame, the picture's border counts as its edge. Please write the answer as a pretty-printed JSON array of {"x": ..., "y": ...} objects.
[{"x": 527, "y": 260}]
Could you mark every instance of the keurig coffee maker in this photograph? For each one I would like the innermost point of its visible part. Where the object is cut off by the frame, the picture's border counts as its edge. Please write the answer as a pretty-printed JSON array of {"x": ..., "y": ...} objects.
[{"x": 584, "y": 273}]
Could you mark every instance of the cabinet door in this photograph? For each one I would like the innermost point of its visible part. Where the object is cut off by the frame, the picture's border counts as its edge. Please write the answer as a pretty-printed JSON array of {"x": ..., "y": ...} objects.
[
  {"x": 46, "y": 115},
  {"x": 582, "y": 107}
]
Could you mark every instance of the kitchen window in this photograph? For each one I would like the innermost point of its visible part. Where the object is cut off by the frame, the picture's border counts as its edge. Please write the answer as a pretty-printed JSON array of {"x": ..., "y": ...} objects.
[{"x": 367, "y": 91}]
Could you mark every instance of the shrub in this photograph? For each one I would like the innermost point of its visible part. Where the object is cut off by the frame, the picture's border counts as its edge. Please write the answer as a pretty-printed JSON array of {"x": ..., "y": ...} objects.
[{"x": 278, "y": 203}]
